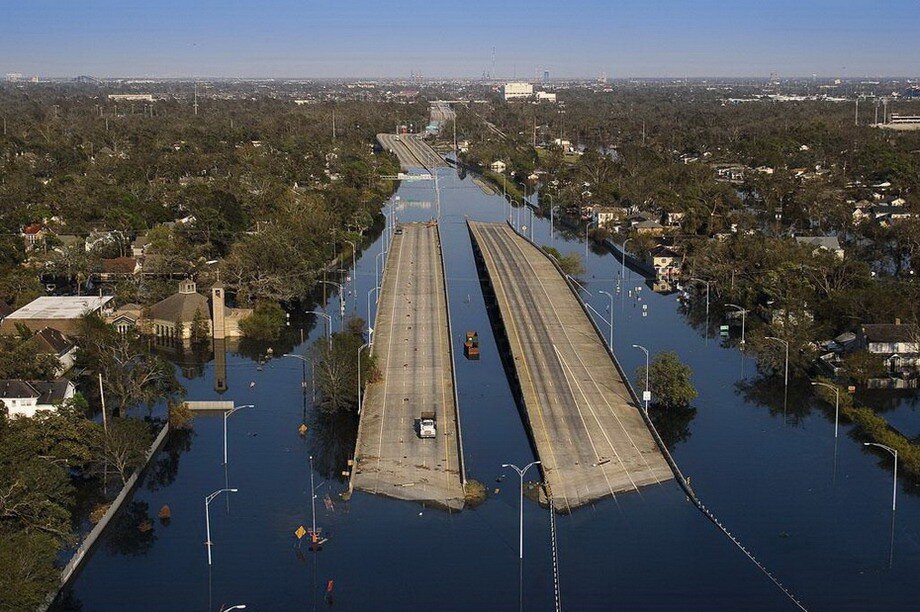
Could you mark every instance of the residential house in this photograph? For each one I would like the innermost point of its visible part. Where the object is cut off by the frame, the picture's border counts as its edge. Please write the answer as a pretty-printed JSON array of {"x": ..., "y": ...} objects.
[
  {"x": 139, "y": 246},
  {"x": 886, "y": 215},
  {"x": 50, "y": 341},
  {"x": 665, "y": 260},
  {"x": 898, "y": 344},
  {"x": 607, "y": 216},
  {"x": 102, "y": 239},
  {"x": 125, "y": 318},
  {"x": 672, "y": 218},
  {"x": 33, "y": 236},
  {"x": 497, "y": 166},
  {"x": 117, "y": 268},
  {"x": 825, "y": 243},
  {"x": 25, "y": 398},
  {"x": 649, "y": 228}
]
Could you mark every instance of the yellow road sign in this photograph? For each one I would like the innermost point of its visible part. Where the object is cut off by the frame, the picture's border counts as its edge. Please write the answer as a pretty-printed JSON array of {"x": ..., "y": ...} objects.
[{"x": 300, "y": 533}]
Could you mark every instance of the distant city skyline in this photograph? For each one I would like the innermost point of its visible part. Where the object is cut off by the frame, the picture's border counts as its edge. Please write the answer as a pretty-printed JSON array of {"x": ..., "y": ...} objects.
[{"x": 361, "y": 39}]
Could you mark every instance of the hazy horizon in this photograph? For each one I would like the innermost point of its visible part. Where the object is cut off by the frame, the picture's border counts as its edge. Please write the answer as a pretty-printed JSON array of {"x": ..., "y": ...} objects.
[{"x": 322, "y": 40}]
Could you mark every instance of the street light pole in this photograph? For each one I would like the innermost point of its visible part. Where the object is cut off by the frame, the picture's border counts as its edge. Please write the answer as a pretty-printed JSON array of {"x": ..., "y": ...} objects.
[
  {"x": 623, "y": 262},
  {"x": 226, "y": 414},
  {"x": 610, "y": 297},
  {"x": 648, "y": 394},
  {"x": 341, "y": 302},
  {"x": 207, "y": 516},
  {"x": 786, "y": 344},
  {"x": 521, "y": 473},
  {"x": 894, "y": 487},
  {"x": 836, "y": 403},
  {"x": 328, "y": 319},
  {"x": 743, "y": 316},
  {"x": 370, "y": 330},
  {"x": 700, "y": 280}
]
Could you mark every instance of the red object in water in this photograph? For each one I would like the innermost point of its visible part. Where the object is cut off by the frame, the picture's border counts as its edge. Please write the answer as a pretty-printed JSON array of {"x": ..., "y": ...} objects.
[{"x": 329, "y": 586}]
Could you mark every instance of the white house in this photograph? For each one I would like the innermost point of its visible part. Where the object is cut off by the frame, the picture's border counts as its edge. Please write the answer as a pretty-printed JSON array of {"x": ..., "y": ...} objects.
[
  {"x": 497, "y": 166},
  {"x": 25, "y": 398},
  {"x": 897, "y": 344}
]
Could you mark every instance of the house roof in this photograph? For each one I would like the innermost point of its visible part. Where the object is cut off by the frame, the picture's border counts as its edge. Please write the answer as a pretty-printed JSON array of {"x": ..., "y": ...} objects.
[
  {"x": 825, "y": 242},
  {"x": 180, "y": 307},
  {"x": 16, "y": 388},
  {"x": 890, "y": 332},
  {"x": 119, "y": 265},
  {"x": 50, "y": 340},
  {"x": 51, "y": 391}
]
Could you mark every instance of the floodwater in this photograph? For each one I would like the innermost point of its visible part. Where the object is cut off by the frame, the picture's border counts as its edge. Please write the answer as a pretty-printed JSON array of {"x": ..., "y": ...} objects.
[{"x": 815, "y": 511}]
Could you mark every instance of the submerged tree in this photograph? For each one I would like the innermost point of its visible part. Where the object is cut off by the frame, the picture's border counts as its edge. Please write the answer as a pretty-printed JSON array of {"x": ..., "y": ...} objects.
[
  {"x": 337, "y": 368},
  {"x": 669, "y": 381}
]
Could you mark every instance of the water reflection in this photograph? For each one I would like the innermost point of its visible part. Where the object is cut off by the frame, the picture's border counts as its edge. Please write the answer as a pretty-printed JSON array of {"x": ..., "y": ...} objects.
[
  {"x": 165, "y": 467},
  {"x": 132, "y": 532},
  {"x": 332, "y": 442},
  {"x": 673, "y": 424}
]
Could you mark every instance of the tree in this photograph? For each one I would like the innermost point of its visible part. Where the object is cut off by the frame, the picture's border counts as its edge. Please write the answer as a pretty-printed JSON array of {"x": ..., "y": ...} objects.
[
  {"x": 27, "y": 572},
  {"x": 124, "y": 446},
  {"x": 265, "y": 322},
  {"x": 200, "y": 332},
  {"x": 131, "y": 373},
  {"x": 863, "y": 365},
  {"x": 570, "y": 263},
  {"x": 669, "y": 381},
  {"x": 337, "y": 369}
]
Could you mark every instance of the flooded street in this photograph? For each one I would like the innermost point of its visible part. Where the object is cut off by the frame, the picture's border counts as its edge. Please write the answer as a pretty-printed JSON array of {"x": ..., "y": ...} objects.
[{"x": 815, "y": 512}]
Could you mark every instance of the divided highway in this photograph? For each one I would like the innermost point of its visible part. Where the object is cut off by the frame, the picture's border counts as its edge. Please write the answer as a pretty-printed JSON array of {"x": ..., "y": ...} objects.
[{"x": 588, "y": 432}]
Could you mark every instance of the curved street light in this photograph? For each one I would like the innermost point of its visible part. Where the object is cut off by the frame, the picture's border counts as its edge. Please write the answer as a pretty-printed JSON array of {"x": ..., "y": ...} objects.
[
  {"x": 521, "y": 473},
  {"x": 226, "y": 414},
  {"x": 836, "y": 390},
  {"x": 207, "y": 516},
  {"x": 328, "y": 319},
  {"x": 785, "y": 343},
  {"x": 743, "y": 312},
  {"x": 648, "y": 394},
  {"x": 894, "y": 487}
]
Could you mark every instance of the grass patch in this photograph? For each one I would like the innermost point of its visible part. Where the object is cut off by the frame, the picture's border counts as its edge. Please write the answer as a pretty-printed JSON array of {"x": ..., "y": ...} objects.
[{"x": 474, "y": 493}]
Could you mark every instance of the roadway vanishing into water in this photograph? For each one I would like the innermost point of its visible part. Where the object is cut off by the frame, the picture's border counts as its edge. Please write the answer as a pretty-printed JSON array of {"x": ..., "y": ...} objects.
[
  {"x": 588, "y": 432},
  {"x": 412, "y": 345}
]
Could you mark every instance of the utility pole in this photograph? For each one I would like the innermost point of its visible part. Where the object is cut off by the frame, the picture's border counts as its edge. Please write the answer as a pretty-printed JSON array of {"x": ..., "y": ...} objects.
[
  {"x": 856, "y": 120},
  {"x": 195, "y": 105},
  {"x": 333, "y": 124},
  {"x": 105, "y": 422}
]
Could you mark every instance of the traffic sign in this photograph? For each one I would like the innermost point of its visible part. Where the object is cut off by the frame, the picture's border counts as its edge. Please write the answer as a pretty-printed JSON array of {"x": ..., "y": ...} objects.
[
  {"x": 646, "y": 396},
  {"x": 300, "y": 533}
]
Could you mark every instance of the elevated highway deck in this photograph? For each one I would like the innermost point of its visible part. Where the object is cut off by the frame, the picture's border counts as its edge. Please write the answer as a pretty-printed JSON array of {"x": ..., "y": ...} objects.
[
  {"x": 412, "y": 344},
  {"x": 588, "y": 431},
  {"x": 411, "y": 150}
]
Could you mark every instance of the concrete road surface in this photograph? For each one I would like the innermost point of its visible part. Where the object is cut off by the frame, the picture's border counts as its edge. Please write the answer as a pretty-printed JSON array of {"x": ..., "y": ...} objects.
[
  {"x": 412, "y": 346},
  {"x": 411, "y": 150},
  {"x": 589, "y": 435}
]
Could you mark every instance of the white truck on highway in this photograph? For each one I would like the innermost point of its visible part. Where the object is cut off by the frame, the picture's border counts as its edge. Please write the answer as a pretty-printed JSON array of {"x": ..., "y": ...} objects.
[{"x": 427, "y": 427}]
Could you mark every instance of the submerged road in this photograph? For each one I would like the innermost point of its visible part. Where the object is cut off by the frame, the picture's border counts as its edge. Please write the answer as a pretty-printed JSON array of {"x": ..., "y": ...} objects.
[
  {"x": 412, "y": 345},
  {"x": 589, "y": 435},
  {"x": 411, "y": 150}
]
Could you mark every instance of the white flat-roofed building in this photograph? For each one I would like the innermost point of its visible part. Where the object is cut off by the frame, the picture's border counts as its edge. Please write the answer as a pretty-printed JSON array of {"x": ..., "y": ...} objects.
[
  {"x": 131, "y": 97},
  {"x": 546, "y": 96},
  {"x": 517, "y": 90},
  {"x": 63, "y": 313}
]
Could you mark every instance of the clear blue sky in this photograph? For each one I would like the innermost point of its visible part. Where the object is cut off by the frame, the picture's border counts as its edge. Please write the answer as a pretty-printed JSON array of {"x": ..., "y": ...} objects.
[{"x": 358, "y": 38}]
